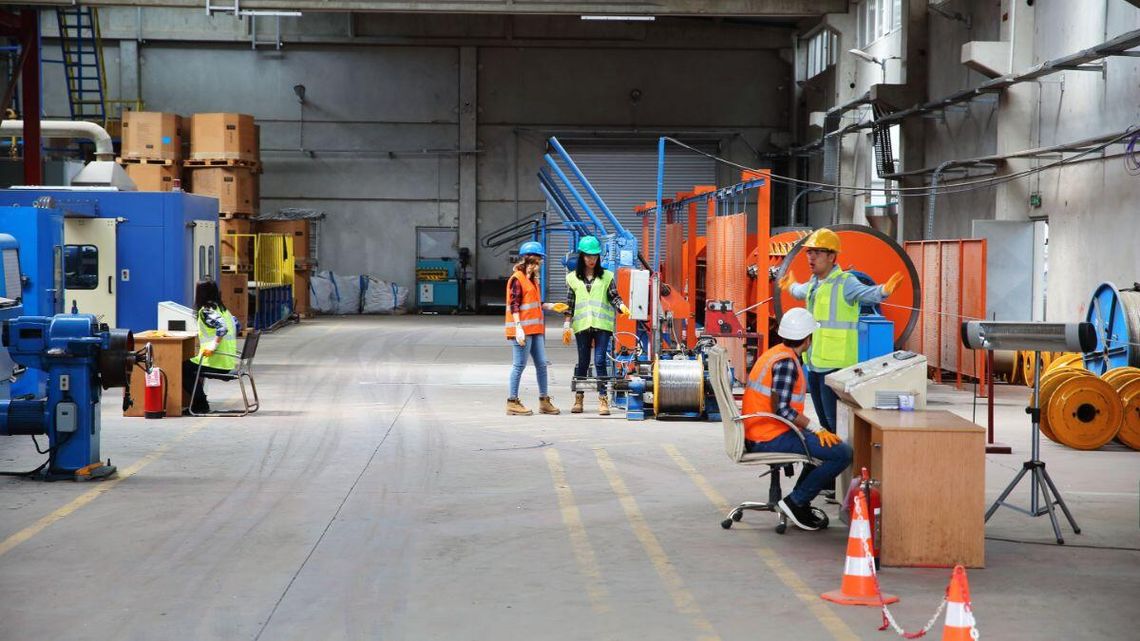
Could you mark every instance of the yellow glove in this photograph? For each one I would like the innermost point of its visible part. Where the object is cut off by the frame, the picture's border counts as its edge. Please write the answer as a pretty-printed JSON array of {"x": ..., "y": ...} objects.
[
  {"x": 566, "y": 334},
  {"x": 207, "y": 352},
  {"x": 560, "y": 307},
  {"x": 827, "y": 439},
  {"x": 892, "y": 283},
  {"x": 787, "y": 280},
  {"x": 624, "y": 310}
]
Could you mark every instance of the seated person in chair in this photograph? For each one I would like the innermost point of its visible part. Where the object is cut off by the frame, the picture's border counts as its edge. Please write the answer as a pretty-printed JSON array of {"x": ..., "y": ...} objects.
[
  {"x": 217, "y": 340},
  {"x": 777, "y": 385}
]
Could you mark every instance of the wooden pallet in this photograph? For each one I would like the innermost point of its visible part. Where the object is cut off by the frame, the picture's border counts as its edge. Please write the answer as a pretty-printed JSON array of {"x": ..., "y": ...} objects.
[
  {"x": 145, "y": 161},
  {"x": 224, "y": 162},
  {"x": 237, "y": 269},
  {"x": 235, "y": 215}
]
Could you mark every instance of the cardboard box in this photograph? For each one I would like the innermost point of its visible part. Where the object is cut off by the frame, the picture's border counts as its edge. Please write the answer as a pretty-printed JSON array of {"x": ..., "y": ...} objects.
[
  {"x": 236, "y": 250},
  {"x": 301, "y": 303},
  {"x": 223, "y": 136},
  {"x": 152, "y": 177},
  {"x": 298, "y": 230},
  {"x": 152, "y": 135},
  {"x": 232, "y": 186},
  {"x": 235, "y": 296}
]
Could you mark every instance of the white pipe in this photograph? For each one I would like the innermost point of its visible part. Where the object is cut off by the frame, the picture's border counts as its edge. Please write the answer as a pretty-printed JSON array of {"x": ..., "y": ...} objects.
[{"x": 104, "y": 149}]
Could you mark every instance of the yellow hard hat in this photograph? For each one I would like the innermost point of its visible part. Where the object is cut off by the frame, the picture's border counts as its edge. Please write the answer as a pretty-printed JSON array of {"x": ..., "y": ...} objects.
[{"x": 823, "y": 238}]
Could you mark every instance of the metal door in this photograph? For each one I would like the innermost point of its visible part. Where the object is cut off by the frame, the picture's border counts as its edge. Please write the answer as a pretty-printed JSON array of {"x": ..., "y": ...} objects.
[
  {"x": 205, "y": 239},
  {"x": 89, "y": 267}
]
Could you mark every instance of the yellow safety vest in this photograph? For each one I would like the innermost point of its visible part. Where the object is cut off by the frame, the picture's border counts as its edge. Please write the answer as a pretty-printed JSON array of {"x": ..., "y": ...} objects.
[
  {"x": 592, "y": 307},
  {"x": 836, "y": 343},
  {"x": 220, "y": 359}
]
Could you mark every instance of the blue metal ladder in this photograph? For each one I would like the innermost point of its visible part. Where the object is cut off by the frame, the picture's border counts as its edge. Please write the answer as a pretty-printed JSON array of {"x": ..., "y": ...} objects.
[{"x": 82, "y": 59}]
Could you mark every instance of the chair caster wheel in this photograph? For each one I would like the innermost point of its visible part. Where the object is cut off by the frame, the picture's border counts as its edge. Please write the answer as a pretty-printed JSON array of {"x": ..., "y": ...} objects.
[
  {"x": 726, "y": 524},
  {"x": 736, "y": 517},
  {"x": 823, "y": 520},
  {"x": 781, "y": 528}
]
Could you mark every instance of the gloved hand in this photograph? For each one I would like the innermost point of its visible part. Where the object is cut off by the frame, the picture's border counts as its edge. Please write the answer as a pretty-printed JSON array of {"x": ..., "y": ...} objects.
[
  {"x": 520, "y": 336},
  {"x": 207, "y": 352},
  {"x": 624, "y": 310},
  {"x": 560, "y": 307},
  {"x": 827, "y": 439},
  {"x": 787, "y": 280},
  {"x": 892, "y": 283},
  {"x": 566, "y": 334}
]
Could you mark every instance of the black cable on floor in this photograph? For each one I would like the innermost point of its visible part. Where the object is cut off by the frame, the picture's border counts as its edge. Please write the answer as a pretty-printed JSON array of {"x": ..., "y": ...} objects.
[{"x": 1068, "y": 545}]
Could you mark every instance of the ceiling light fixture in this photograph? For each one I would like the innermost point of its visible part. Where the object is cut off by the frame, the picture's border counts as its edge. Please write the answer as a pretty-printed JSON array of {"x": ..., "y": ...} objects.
[{"x": 622, "y": 18}]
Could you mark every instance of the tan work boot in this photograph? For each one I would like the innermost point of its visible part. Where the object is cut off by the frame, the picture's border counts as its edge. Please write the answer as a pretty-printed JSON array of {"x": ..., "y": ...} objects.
[
  {"x": 603, "y": 405},
  {"x": 546, "y": 407},
  {"x": 579, "y": 398},
  {"x": 516, "y": 408}
]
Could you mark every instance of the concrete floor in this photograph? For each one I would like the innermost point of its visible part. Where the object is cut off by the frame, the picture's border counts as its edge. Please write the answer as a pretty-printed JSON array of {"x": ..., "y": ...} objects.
[{"x": 383, "y": 494}]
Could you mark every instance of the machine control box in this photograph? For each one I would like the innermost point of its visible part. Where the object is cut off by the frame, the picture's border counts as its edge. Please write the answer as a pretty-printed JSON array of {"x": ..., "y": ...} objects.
[
  {"x": 639, "y": 294},
  {"x": 863, "y": 385},
  {"x": 66, "y": 418}
]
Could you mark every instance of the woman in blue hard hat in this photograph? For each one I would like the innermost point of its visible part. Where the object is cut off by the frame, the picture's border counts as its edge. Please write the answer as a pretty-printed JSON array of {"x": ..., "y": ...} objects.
[
  {"x": 525, "y": 325},
  {"x": 591, "y": 298}
]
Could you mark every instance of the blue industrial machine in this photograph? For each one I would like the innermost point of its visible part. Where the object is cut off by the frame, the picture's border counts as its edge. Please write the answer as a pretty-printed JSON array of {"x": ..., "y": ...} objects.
[
  {"x": 39, "y": 232},
  {"x": 79, "y": 357},
  {"x": 122, "y": 252},
  {"x": 438, "y": 269}
]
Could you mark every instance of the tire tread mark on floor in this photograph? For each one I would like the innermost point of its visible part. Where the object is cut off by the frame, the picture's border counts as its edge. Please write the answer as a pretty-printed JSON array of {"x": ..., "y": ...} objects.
[{"x": 332, "y": 519}]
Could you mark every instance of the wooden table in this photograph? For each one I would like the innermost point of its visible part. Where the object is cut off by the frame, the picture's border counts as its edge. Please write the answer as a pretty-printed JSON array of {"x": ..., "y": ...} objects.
[
  {"x": 931, "y": 466},
  {"x": 170, "y": 350}
]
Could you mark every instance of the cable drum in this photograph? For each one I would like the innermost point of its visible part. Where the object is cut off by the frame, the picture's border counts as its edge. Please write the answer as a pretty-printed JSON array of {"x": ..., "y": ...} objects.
[
  {"x": 1115, "y": 316},
  {"x": 678, "y": 386},
  {"x": 1131, "y": 303}
]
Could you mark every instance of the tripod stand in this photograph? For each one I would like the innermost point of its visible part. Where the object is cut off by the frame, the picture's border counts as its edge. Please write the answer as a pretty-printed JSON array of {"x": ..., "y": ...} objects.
[{"x": 1039, "y": 479}]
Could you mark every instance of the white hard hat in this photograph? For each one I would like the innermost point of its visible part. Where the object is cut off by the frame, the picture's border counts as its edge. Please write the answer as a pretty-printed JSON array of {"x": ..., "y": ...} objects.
[{"x": 797, "y": 323}]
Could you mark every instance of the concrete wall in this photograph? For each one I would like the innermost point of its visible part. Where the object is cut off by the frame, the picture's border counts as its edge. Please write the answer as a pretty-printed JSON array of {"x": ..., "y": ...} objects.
[
  {"x": 1091, "y": 207},
  {"x": 382, "y": 135}
]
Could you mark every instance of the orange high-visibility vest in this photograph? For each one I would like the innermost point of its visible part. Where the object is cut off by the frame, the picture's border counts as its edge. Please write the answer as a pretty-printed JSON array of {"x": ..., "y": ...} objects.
[
  {"x": 758, "y": 395},
  {"x": 530, "y": 312}
]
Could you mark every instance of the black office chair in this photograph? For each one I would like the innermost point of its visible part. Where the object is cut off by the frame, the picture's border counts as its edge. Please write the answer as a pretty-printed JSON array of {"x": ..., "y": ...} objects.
[
  {"x": 777, "y": 462},
  {"x": 241, "y": 373}
]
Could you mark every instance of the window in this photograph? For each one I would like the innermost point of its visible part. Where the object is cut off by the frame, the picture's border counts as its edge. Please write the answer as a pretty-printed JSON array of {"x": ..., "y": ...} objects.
[
  {"x": 877, "y": 18},
  {"x": 80, "y": 267},
  {"x": 822, "y": 47}
]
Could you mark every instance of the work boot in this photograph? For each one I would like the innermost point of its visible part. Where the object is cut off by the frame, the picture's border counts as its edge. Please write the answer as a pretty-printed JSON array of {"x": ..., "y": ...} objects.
[
  {"x": 603, "y": 405},
  {"x": 579, "y": 398},
  {"x": 801, "y": 516},
  {"x": 546, "y": 407},
  {"x": 516, "y": 408}
]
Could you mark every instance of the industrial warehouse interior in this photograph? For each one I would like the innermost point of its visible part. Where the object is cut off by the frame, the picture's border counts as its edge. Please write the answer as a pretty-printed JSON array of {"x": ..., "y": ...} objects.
[{"x": 525, "y": 319}]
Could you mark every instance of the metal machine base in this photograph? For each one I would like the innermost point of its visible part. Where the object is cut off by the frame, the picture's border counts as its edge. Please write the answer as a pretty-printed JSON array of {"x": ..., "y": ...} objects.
[{"x": 1049, "y": 493}]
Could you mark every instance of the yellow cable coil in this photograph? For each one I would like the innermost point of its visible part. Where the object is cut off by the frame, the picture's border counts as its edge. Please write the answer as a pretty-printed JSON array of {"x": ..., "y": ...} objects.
[
  {"x": 1126, "y": 382},
  {"x": 1079, "y": 409}
]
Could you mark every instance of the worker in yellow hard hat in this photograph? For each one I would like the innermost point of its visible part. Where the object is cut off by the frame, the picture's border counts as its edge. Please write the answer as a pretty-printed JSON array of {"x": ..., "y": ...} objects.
[{"x": 833, "y": 298}]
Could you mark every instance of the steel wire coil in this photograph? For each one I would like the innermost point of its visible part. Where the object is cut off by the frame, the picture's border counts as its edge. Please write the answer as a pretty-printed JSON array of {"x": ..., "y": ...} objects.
[{"x": 678, "y": 386}]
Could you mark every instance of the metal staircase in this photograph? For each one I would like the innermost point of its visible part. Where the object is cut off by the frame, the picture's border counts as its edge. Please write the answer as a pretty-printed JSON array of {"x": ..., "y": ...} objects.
[{"x": 82, "y": 59}]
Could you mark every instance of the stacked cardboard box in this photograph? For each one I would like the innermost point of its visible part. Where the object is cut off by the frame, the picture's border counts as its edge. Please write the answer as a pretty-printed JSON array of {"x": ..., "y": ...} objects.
[{"x": 152, "y": 149}]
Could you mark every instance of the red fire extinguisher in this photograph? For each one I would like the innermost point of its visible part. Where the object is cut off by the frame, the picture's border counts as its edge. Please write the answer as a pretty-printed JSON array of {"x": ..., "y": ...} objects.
[
  {"x": 154, "y": 398},
  {"x": 874, "y": 500}
]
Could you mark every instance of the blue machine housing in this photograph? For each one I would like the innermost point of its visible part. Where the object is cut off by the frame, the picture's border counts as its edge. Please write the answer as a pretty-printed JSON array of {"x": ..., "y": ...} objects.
[
  {"x": 876, "y": 337},
  {"x": 39, "y": 234},
  {"x": 154, "y": 244}
]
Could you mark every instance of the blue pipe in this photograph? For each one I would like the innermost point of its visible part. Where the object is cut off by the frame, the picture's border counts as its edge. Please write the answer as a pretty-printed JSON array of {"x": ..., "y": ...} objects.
[
  {"x": 551, "y": 189},
  {"x": 577, "y": 196},
  {"x": 621, "y": 231}
]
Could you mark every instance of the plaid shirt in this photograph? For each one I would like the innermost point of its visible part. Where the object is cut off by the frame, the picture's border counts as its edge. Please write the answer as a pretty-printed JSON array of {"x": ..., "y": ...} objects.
[{"x": 783, "y": 381}]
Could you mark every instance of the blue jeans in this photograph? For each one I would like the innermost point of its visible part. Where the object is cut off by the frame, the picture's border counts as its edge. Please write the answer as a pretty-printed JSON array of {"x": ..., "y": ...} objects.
[
  {"x": 536, "y": 346},
  {"x": 597, "y": 342},
  {"x": 823, "y": 398},
  {"x": 835, "y": 459}
]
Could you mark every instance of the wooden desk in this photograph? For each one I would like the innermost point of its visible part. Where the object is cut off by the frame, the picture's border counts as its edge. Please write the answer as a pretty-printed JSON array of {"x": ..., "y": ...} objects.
[
  {"x": 169, "y": 353},
  {"x": 932, "y": 468}
]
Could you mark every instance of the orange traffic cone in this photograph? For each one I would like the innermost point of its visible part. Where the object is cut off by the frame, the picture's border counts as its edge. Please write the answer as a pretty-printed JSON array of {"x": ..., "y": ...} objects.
[
  {"x": 959, "y": 617},
  {"x": 859, "y": 585}
]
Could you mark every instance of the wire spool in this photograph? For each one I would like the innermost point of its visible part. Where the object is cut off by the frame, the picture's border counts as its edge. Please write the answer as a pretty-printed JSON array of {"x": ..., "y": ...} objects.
[
  {"x": 1069, "y": 359},
  {"x": 876, "y": 255},
  {"x": 1118, "y": 376},
  {"x": 1116, "y": 317},
  {"x": 1084, "y": 412},
  {"x": 1049, "y": 384},
  {"x": 1129, "y": 433},
  {"x": 678, "y": 386},
  {"x": 1005, "y": 364},
  {"x": 1027, "y": 366}
]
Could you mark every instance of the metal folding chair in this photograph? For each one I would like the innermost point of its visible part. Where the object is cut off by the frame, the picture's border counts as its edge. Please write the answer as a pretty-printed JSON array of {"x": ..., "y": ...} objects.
[{"x": 241, "y": 373}]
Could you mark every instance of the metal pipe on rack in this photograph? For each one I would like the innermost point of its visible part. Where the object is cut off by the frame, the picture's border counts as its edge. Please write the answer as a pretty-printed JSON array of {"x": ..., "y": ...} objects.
[
  {"x": 618, "y": 228},
  {"x": 574, "y": 192}
]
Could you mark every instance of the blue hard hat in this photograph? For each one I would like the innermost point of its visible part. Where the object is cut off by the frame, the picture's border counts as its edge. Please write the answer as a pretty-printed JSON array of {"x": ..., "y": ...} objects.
[{"x": 532, "y": 247}]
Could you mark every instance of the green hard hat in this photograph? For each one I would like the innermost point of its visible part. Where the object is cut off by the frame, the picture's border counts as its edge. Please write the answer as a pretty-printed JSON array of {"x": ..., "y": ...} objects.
[{"x": 589, "y": 245}]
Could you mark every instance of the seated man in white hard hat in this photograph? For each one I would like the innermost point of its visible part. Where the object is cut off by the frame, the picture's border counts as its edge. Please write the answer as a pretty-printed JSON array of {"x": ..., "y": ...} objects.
[{"x": 777, "y": 385}]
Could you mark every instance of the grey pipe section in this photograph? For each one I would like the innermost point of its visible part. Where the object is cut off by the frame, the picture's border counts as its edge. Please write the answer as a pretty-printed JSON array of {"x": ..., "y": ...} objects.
[
  {"x": 933, "y": 198},
  {"x": 104, "y": 149},
  {"x": 796, "y": 200}
]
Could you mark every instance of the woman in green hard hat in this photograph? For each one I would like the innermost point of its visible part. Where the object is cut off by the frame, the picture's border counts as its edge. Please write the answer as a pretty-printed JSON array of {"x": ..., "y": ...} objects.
[{"x": 591, "y": 300}]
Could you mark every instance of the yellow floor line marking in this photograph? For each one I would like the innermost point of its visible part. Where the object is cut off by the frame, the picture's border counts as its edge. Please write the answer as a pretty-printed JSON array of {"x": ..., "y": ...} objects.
[
  {"x": 583, "y": 551},
  {"x": 100, "y": 488},
  {"x": 683, "y": 600},
  {"x": 831, "y": 621}
]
